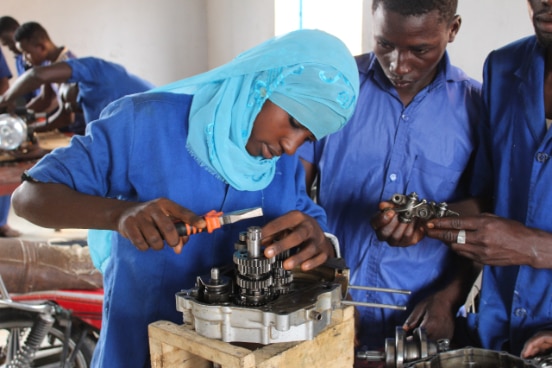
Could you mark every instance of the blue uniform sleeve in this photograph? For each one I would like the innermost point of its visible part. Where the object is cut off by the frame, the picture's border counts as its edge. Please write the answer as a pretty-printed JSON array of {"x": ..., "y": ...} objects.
[{"x": 4, "y": 69}]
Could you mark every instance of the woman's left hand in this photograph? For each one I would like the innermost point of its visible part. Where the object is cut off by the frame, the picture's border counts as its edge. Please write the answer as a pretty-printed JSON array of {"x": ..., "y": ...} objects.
[{"x": 296, "y": 229}]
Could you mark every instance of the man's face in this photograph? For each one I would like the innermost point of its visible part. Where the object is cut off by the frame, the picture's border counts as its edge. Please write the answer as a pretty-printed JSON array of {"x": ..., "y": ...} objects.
[
  {"x": 409, "y": 48},
  {"x": 541, "y": 15},
  {"x": 6, "y": 38},
  {"x": 34, "y": 53},
  {"x": 275, "y": 132}
]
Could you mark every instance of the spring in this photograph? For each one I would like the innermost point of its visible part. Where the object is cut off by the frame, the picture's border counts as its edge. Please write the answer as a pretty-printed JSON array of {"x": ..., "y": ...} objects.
[{"x": 38, "y": 332}]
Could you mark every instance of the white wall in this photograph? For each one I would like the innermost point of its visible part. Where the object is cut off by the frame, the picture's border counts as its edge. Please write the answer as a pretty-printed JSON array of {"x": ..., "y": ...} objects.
[
  {"x": 486, "y": 25},
  {"x": 159, "y": 40},
  {"x": 165, "y": 40}
]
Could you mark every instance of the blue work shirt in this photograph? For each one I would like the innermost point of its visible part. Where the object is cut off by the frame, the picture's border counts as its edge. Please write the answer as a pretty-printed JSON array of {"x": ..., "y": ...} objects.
[
  {"x": 102, "y": 82},
  {"x": 137, "y": 152},
  {"x": 4, "y": 69},
  {"x": 387, "y": 148},
  {"x": 513, "y": 167}
]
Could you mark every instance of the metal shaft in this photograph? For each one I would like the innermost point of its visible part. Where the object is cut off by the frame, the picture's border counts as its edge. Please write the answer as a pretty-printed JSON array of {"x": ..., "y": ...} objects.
[{"x": 373, "y": 305}]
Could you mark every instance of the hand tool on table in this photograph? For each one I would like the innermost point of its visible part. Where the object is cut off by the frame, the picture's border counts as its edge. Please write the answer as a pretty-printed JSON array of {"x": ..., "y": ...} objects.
[{"x": 216, "y": 219}]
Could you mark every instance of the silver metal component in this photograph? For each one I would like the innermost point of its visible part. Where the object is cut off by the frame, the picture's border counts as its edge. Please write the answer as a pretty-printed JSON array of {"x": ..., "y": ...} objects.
[
  {"x": 461, "y": 238},
  {"x": 416, "y": 351},
  {"x": 403, "y": 349},
  {"x": 474, "y": 357},
  {"x": 25, "y": 356},
  {"x": 231, "y": 217},
  {"x": 6, "y": 301},
  {"x": 254, "y": 242},
  {"x": 383, "y": 290},
  {"x": 373, "y": 305},
  {"x": 411, "y": 207},
  {"x": 13, "y": 131},
  {"x": 376, "y": 305},
  {"x": 266, "y": 304}
]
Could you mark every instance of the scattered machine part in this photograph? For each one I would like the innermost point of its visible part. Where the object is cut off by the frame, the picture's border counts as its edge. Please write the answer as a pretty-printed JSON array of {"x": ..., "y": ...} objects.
[
  {"x": 411, "y": 207},
  {"x": 416, "y": 351}
]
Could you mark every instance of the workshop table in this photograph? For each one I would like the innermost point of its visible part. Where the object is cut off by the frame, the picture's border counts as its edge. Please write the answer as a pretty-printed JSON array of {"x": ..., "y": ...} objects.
[{"x": 14, "y": 163}]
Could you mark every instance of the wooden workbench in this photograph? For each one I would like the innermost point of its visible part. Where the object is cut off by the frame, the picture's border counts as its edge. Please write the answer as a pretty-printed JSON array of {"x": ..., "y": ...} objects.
[
  {"x": 173, "y": 345},
  {"x": 14, "y": 163}
]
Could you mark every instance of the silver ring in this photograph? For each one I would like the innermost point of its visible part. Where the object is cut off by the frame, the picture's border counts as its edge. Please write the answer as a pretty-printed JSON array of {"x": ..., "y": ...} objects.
[{"x": 461, "y": 238}]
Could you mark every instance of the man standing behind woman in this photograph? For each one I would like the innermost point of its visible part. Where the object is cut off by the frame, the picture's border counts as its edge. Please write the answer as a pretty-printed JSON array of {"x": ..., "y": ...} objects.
[{"x": 413, "y": 131}]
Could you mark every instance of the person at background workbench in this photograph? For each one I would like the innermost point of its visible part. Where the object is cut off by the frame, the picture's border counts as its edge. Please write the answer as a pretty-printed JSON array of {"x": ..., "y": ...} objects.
[
  {"x": 87, "y": 85},
  {"x": 8, "y": 26},
  {"x": 6, "y": 231},
  {"x": 413, "y": 131},
  {"x": 512, "y": 181},
  {"x": 38, "y": 49},
  {"x": 223, "y": 140}
]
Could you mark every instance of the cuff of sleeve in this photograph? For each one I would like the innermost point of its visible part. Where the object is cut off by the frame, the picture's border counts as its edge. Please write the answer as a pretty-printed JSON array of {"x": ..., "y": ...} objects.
[{"x": 335, "y": 242}]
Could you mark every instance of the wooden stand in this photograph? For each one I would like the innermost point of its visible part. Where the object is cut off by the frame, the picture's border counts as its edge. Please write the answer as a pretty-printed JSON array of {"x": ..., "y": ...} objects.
[{"x": 174, "y": 345}]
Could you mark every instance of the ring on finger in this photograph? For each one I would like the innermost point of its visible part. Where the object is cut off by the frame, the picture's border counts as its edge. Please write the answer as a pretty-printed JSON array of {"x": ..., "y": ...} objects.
[{"x": 461, "y": 238}]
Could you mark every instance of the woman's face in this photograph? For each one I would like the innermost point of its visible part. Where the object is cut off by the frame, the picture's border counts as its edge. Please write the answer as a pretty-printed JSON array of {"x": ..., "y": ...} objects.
[{"x": 275, "y": 132}]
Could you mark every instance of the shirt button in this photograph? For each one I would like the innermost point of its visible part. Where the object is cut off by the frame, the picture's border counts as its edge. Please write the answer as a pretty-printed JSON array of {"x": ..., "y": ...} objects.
[
  {"x": 542, "y": 157},
  {"x": 404, "y": 117},
  {"x": 520, "y": 312},
  {"x": 393, "y": 177}
]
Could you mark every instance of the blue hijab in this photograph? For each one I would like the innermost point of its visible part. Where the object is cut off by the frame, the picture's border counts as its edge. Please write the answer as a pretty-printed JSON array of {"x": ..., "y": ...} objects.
[{"x": 308, "y": 73}]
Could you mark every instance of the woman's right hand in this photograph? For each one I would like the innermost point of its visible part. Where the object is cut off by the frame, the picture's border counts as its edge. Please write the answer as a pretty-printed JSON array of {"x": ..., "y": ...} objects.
[{"x": 149, "y": 224}]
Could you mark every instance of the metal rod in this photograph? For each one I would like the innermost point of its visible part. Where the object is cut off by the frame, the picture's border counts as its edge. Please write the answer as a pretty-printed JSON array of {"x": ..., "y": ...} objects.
[
  {"x": 384, "y": 290},
  {"x": 4, "y": 291},
  {"x": 373, "y": 305}
]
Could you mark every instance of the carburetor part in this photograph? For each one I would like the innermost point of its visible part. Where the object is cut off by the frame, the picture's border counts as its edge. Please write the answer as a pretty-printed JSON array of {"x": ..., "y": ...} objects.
[
  {"x": 411, "y": 207},
  {"x": 256, "y": 300}
]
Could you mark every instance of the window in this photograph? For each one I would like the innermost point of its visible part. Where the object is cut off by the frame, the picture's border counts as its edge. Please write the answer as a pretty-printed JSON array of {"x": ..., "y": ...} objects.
[{"x": 341, "y": 18}]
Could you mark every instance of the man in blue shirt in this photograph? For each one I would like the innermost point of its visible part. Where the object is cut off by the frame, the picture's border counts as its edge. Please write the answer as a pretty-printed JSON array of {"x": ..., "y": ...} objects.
[
  {"x": 514, "y": 312},
  {"x": 412, "y": 131},
  {"x": 8, "y": 26},
  {"x": 5, "y": 230},
  {"x": 87, "y": 85}
]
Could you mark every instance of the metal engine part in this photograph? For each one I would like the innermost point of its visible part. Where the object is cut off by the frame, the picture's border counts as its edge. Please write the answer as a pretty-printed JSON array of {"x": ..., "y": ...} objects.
[
  {"x": 13, "y": 131},
  {"x": 411, "y": 207},
  {"x": 256, "y": 301},
  {"x": 417, "y": 351}
]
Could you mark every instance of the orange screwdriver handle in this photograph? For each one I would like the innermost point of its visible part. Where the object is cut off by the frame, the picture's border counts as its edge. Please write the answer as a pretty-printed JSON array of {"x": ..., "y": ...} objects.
[{"x": 212, "y": 218}]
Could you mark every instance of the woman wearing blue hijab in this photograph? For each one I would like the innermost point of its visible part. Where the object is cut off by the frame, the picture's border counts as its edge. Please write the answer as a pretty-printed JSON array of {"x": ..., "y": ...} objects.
[{"x": 223, "y": 140}]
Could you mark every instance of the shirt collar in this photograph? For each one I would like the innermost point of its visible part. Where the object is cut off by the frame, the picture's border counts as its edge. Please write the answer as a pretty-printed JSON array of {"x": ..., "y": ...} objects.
[{"x": 368, "y": 64}]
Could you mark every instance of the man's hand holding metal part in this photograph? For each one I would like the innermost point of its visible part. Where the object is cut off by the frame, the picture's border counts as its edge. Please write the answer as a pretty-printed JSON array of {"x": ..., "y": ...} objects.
[
  {"x": 400, "y": 221},
  {"x": 493, "y": 240}
]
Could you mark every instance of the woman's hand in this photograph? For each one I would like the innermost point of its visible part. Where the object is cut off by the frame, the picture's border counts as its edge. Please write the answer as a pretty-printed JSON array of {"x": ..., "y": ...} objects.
[
  {"x": 296, "y": 229},
  {"x": 149, "y": 224}
]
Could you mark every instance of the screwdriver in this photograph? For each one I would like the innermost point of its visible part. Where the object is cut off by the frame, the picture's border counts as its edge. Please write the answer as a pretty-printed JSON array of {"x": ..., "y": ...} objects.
[{"x": 216, "y": 219}]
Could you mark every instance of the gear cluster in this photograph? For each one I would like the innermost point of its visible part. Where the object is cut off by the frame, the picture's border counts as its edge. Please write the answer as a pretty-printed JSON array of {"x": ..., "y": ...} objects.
[{"x": 255, "y": 279}]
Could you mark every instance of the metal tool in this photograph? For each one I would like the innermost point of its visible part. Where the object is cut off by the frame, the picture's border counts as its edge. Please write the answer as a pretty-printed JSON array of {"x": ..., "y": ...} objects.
[{"x": 216, "y": 219}]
